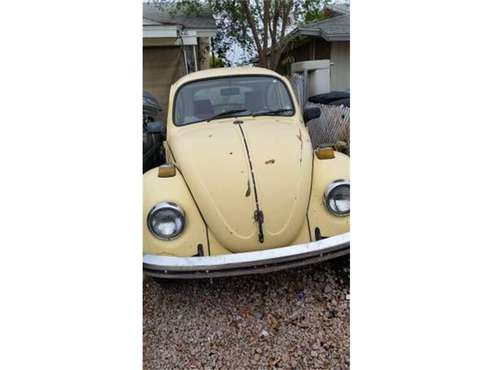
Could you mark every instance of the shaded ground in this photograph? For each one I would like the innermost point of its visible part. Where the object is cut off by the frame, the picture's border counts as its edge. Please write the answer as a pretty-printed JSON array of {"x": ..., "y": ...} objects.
[{"x": 291, "y": 319}]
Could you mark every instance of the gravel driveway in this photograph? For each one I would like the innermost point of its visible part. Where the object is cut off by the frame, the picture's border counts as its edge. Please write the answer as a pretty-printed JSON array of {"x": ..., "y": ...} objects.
[{"x": 291, "y": 319}]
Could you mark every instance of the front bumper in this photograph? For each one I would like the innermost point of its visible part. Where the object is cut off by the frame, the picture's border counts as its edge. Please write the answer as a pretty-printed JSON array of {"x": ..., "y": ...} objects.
[{"x": 248, "y": 262}]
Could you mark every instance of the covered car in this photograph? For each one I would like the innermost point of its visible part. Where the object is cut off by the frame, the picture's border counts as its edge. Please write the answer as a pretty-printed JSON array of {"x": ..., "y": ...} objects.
[{"x": 153, "y": 132}]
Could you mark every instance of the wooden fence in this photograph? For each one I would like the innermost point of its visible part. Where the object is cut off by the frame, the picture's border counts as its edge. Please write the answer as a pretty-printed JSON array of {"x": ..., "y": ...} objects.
[{"x": 332, "y": 125}]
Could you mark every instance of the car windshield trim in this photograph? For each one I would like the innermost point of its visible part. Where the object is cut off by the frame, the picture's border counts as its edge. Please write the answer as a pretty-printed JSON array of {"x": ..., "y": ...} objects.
[{"x": 290, "y": 96}]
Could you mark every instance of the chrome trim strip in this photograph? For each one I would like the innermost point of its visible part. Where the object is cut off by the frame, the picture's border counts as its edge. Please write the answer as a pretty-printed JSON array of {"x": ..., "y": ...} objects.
[{"x": 247, "y": 262}]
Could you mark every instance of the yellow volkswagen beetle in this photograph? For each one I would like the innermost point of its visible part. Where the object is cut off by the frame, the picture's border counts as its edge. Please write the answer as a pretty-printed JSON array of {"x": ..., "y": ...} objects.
[{"x": 242, "y": 190}]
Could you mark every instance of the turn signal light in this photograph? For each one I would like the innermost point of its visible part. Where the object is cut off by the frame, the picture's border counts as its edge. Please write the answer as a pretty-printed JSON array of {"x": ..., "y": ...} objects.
[
  {"x": 167, "y": 170},
  {"x": 325, "y": 152}
]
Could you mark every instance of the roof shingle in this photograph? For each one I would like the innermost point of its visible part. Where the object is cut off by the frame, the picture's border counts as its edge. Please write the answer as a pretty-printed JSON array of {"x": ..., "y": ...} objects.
[
  {"x": 159, "y": 14},
  {"x": 335, "y": 27}
]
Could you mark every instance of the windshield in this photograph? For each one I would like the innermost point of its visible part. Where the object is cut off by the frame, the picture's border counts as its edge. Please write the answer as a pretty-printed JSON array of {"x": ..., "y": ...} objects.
[{"x": 238, "y": 96}]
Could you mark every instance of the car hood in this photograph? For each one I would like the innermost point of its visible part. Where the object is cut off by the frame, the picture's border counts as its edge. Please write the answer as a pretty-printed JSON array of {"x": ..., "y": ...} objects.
[{"x": 217, "y": 159}]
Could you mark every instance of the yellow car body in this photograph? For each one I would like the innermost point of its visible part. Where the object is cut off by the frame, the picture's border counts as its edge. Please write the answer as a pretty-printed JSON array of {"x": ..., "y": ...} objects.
[{"x": 233, "y": 170}]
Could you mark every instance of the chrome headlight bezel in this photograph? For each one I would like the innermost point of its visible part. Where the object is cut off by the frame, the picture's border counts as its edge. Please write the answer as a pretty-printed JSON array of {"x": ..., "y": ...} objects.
[
  {"x": 174, "y": 208},
  {"x": 328, "y": 196}
]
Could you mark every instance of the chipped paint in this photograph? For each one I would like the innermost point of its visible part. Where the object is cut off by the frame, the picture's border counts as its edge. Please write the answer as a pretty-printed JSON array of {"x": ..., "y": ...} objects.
[
  {"x": 301, "y": 148},
  {"x": 247, "y": 194},
  {"x": 259, "y": 218},
  {"x": 270, "y": 161}
]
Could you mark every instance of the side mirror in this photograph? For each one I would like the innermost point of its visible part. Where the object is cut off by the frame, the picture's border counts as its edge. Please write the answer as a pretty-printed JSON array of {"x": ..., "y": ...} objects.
[
  {"x": 311, "y": 113},
  {"x": 156, "y": 127}
]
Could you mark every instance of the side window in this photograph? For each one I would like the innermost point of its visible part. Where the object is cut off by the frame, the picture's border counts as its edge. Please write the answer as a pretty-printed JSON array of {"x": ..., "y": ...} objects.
[
  {"x": 277, "y": 96},
  {"x": 272, "y": 95},
  {"x": 179, "y": 108},
  {"x": 284, "y": 99}
]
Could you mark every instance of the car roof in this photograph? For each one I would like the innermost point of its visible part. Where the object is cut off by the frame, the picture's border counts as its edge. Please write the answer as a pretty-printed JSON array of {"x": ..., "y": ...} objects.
[{"x": 225, "y": 71}]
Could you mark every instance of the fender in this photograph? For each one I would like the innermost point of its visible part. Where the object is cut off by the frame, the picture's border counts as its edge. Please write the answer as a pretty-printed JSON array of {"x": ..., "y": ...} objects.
[
  {"x": 324, "y": 172},
  {"x": 173, "y": 189}
]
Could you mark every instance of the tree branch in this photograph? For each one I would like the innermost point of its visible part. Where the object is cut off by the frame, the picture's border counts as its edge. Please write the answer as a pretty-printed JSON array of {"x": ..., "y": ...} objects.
[
  {"x": 275, "y": 21},
  {"x": 251, "y": 22},
  {"x": 266, "y": 20}
]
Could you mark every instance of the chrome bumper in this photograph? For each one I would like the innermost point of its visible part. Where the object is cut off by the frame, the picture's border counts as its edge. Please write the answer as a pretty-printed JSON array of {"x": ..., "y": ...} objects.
[{"x": 248, "y": 262}]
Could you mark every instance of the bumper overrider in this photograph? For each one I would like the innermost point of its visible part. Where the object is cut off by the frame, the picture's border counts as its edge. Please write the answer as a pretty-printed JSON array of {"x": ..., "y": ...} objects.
[{"x": 248, "y": 262}]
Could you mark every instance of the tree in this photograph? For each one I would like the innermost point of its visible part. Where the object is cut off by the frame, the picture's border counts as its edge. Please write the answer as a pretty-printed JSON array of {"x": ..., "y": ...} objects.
[
  {"x": 215, "y": 62},
  {"x": 257, "y": 26},
  {"x": 260, "y": 26}
]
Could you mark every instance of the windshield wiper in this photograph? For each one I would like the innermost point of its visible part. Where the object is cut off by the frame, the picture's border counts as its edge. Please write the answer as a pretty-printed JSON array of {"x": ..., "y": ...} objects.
[
  {"x": 226, "y": 113},
  {"x": 271, "y": 112}
]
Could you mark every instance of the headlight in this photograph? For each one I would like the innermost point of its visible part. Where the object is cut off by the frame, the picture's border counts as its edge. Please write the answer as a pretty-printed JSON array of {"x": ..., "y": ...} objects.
[
  {"x": 166, "y": 221},
  {"x": 336, "y": 198}
]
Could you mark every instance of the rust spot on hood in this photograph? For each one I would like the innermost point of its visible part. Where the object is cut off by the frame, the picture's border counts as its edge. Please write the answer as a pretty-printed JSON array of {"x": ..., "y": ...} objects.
[
  {"x": 247, "y": 194},
  {"x": 299, "y": 136}
]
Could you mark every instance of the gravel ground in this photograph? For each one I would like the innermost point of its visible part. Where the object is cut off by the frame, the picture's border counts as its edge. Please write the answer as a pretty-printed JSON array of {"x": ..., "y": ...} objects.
[{"x": 294, "y": 319}]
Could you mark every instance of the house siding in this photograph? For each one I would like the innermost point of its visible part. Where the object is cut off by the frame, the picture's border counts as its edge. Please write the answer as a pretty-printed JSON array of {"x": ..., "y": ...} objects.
[
  {"x": 322, "y": 49},
  {"x": 340, "y": 57},
  {"x": 162, "y": 66},
  {"x": 318, "y": 48},
  {"x": 312, "y": 49}
]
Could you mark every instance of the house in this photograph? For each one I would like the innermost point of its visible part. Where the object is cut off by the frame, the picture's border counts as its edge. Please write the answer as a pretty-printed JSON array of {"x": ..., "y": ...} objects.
[
  {"x": 174, "y": 44},
  {"x": 325, "y": 39}
]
